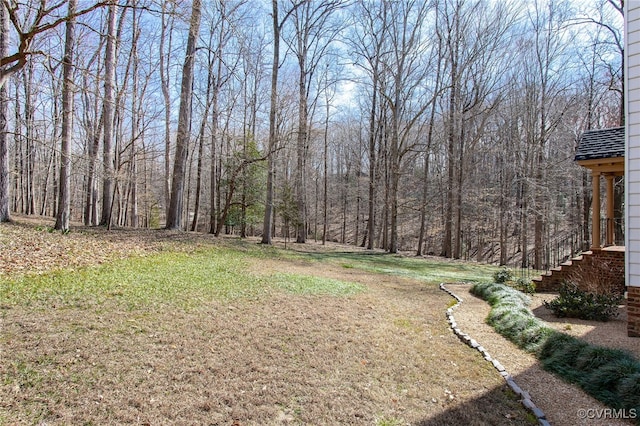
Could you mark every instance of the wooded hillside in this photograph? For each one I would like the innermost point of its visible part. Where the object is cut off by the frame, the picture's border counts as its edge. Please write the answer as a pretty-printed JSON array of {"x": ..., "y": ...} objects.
[{"x": 446, "y": 127}]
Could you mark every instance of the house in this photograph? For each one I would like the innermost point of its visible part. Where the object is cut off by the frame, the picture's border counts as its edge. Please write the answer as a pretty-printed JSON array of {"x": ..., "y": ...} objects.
[{"x": 632, "y": 164}]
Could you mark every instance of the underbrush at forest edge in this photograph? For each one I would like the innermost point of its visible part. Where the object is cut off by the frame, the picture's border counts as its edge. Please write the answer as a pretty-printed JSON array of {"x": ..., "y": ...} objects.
[{"x": 609, "y": 375}]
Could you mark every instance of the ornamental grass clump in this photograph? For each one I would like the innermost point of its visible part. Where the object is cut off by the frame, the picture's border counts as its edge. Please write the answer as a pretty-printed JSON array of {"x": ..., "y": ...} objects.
[
  {"x": 559, "y": 354},
  {"x": 511, "y": 315},
  {"x": 533, "y": 337},
  {"x": 484, "y": 289},
  {"x": 628, "y": 391},
  {"x": 519, "y": 325},
  {"x": 604, "y": 382}
]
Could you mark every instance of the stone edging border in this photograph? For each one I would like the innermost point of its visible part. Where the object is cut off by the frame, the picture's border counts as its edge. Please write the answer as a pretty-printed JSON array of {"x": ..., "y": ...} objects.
[{"x": 524, "y": 395}]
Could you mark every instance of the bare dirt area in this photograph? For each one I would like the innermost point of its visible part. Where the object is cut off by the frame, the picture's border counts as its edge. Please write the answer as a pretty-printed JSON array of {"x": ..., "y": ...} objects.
[
  {"x": 382, "y": 357},
  {"x": 612, "y": 333}
]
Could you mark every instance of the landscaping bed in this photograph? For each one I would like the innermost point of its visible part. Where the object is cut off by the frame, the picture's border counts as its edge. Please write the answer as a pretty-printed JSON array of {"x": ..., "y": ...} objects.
[{"x": 610, "y": 375}]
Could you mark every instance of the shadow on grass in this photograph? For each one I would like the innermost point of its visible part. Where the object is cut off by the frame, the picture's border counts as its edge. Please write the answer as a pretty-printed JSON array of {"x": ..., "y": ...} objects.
[
  {"x": 611, "y": 333},
  {"x": 500, "y": 406},
  {"x": 481, "y": 411},
  {"x": 606, "y": 374}
]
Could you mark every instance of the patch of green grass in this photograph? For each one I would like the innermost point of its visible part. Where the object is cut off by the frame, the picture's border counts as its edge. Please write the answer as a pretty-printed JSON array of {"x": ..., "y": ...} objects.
[
  {"x": 430, "y": 270},
  {"x": 167, "y": 278},
  {"x": 23, "y": 375},
  {"x": 312, "y": 285},
  {"x": 389, "y": 421}
]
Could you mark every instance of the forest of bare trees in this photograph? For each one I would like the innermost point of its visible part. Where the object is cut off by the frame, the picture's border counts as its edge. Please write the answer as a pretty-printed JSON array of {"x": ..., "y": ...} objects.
[{"x": 443, "y": 127}]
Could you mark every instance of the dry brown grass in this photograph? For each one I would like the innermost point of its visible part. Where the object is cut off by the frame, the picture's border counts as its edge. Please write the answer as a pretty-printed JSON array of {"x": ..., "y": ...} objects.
[{"x": 385, "y": 356}]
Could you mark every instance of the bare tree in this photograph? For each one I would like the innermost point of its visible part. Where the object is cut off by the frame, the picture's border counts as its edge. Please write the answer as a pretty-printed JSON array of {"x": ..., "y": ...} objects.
[
  {"x": 368, "y": 42},
  {"x": 174, "y": 218},
  {"x": 4, "y": 140},
  {"x": 313, "y": 34},
  {"x": 405, "y": 98},
  {"x": 276, "y": 25},
  {"x": 40, "y": 18},
  {"x": 548, "y": 55},
  {"x": 64, "y": 194},
  {"x": 108, "y": 114},
  {"x": 437, "y": 84},
  {"x": 166, "y": 27}
]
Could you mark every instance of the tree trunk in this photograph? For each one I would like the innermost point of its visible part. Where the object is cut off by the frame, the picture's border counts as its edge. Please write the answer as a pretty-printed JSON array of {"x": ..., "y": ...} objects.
[
  {"x": 301, "y": 219},
  {"x": 109, "y": 113},
  {"x": 174, "y": 218},
  {"x": 4, "y": 128},
  {"x": 64, "y": 194},
  {"x": 268, "y": 207},
  {"x": 135, "y": 112},
  {"x": 371, "y": 225},
  {"x": 198, "y": 189},
  {"x": 451, "y": 166},
  {"x": 29, "y": 138},
  {"x": 164, "y": 84}
]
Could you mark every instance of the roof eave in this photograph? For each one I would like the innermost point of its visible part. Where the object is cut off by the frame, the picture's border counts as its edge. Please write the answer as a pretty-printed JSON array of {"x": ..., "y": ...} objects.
[{"x": 604, "y": 165}]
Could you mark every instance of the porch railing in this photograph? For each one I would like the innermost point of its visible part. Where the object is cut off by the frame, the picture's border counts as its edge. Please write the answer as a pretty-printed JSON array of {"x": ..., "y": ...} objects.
[
  {"x": 567, "y": 246},
  {"x": 554, "y": 253},
  {"x": 618, "y": 230}
]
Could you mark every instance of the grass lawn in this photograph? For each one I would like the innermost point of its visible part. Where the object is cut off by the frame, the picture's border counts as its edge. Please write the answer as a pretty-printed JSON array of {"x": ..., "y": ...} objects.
[{"x": 158, "y": 327}]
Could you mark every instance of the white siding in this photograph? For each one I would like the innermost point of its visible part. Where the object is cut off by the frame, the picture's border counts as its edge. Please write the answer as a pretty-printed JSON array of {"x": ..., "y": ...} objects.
[{"x": 632, "y": 157}]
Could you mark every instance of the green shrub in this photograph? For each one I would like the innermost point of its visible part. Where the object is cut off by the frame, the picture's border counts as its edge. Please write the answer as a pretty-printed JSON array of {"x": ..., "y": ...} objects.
[
  {"x": 576, "y": 303},
  {"x": 525, "y": 285},
  {"x": 503, "y": 275}
]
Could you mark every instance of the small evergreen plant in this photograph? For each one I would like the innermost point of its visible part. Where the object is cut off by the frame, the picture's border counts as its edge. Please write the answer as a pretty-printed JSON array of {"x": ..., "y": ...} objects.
[
  {"x": 576, "y": 303},
  {"x": 525, "y": 285},
  {"x": 503, "y": 275}
]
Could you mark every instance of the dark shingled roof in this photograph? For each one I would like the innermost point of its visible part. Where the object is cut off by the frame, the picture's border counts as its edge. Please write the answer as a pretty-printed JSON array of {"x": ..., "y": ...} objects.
[{"x": 603, "y": 143}]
